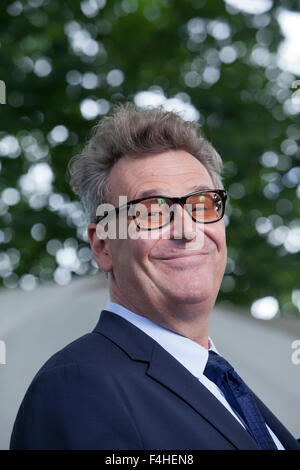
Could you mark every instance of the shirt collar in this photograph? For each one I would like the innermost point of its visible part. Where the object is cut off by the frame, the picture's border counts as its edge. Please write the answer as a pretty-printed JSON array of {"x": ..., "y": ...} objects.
[{"x": 189, "y": 353}]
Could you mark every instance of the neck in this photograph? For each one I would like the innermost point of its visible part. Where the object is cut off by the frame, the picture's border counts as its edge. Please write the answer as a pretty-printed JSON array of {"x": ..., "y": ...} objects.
[{"x": 189, "y": 320}]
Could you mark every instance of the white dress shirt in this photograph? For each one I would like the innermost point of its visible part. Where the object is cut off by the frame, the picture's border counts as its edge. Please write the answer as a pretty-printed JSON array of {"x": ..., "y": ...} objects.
[{"x": 190, "y": 354}]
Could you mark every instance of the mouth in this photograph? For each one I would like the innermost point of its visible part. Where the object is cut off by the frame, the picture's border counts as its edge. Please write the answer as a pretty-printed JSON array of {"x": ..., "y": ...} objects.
[{"x": 183, "y": 256}]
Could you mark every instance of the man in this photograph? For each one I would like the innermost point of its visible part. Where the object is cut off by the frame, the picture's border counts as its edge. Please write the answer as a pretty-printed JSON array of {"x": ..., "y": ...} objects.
[{"x": 148, "y": 376}]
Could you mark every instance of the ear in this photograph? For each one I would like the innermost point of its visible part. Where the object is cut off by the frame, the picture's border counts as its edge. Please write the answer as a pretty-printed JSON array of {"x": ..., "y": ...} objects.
[{"x": 100, "y": 248}]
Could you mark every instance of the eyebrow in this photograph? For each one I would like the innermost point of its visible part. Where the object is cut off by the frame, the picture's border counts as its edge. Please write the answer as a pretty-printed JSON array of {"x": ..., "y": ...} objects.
[{"x": 161, "y": 192}]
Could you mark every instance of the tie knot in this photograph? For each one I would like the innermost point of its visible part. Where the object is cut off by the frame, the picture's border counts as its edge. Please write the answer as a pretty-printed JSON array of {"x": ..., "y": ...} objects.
[{"x": 216, "y": 367}]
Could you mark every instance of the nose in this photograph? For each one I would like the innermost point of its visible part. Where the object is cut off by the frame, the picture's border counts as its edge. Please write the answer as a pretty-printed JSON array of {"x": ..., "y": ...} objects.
[{"x": 183, "y": 226}]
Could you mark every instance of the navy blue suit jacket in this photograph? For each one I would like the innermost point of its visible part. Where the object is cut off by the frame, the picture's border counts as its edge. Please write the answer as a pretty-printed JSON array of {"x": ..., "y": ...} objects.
[{"x": 117, "y": 388}]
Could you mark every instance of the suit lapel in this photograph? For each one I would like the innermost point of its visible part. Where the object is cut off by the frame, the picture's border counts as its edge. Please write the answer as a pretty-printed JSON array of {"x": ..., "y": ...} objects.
[
  {"x": 172, "y": 375},
  {"x": 285, "y": 437}
]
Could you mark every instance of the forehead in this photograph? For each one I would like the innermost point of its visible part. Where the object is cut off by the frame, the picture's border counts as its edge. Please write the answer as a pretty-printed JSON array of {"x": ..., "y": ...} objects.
[{"x": 171, "y": 173}]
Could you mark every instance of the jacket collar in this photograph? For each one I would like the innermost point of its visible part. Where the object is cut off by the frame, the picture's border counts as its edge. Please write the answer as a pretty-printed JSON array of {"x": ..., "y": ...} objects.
[{"x": 134, "y": 342}]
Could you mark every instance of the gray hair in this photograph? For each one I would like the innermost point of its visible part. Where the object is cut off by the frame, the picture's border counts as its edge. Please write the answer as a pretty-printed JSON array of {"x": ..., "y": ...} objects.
[{"x": 133, "y": 131}]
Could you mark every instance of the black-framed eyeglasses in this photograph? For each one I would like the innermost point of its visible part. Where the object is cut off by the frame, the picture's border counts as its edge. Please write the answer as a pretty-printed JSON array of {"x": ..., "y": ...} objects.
[{"x": 154, "y": 212}]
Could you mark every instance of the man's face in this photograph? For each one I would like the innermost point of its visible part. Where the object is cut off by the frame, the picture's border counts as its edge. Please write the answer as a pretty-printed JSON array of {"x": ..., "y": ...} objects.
[{"x": 164, "y": 271}]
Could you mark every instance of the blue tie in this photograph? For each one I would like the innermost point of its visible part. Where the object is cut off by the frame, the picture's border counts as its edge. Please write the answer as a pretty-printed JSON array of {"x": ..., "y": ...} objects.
[{"x": 240, "y": 398}]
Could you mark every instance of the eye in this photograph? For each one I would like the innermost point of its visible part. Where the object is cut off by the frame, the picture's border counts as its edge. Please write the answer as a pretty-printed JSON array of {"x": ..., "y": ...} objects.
[{"x": 161, "y": 201}]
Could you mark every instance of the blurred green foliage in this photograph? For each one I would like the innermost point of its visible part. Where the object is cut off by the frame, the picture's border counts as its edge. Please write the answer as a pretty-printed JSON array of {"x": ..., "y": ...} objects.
[{"x": 57, "y": 58}]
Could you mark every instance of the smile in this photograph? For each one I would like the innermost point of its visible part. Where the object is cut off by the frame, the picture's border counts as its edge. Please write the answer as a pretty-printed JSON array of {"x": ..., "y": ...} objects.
[{"x": 183, "y": 256}]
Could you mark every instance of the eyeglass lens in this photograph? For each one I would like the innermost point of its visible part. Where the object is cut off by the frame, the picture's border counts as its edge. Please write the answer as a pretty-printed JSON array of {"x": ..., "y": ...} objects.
[{"x": 156, "y": 212}]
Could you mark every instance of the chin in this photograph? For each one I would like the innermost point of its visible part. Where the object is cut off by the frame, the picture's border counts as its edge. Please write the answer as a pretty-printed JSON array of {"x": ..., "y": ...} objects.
[
  {"x": 191, "y": 290},
  {"x": 181, "y": 296}
]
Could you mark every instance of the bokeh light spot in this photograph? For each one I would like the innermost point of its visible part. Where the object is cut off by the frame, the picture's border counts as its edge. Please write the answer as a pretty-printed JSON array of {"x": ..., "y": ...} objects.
[{"x": 265, "y": 308}]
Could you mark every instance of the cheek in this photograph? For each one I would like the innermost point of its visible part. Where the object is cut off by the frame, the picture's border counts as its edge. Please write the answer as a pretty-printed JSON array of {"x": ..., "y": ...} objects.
[
  {"x": 127, "y": 255},
  {"x": 222, "y": 261},
  {"x": 217, "y": 234},
  {"x": 220, "y": 257}
]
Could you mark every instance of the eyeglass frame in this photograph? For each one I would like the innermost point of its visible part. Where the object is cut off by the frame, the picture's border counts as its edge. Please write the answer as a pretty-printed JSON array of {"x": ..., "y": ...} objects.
[{"x": 175, "y": 200}]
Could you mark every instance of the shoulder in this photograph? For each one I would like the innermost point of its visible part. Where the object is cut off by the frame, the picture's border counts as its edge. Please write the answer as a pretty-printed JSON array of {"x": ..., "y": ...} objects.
[
  {"x": 90, "y": 350},
  {"x": 76, "y": 390},
  {"x": 87, "y": 361},
  {"x": 83, "y": 372},
  {"x": 79, "y": 387}
]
